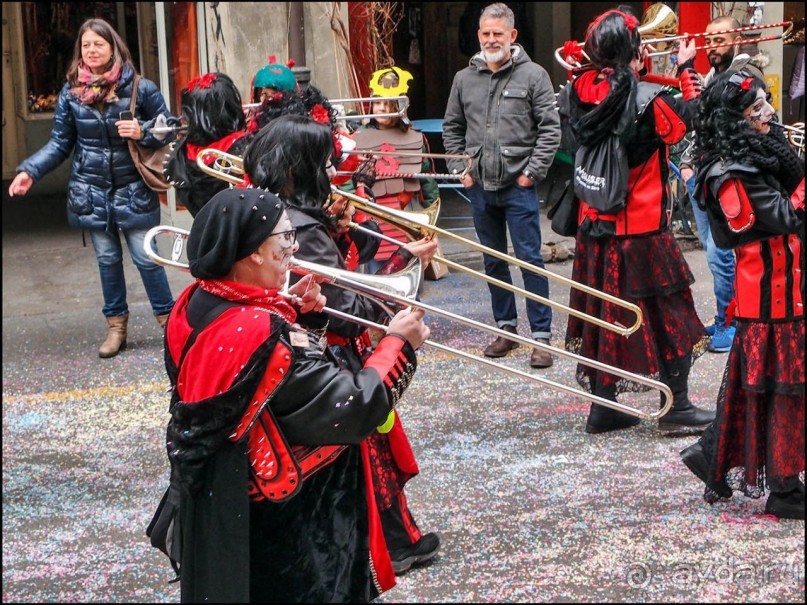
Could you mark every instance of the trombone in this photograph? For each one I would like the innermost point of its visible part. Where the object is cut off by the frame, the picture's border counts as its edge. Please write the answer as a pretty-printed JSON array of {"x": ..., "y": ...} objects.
[
  {"x": 794, "y": 134},
  {"x": 400, "y": 288},
  {"x": 419, "y": 224},
  {"x": 403, "y": 153},
  {"x": 403, "y": 104}
]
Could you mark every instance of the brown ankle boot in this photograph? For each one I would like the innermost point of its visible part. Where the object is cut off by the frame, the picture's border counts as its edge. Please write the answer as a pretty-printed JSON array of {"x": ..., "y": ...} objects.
[
  {"x": 115, "y": 337},
  {"x": 539, "y": 357},
  {"x": 501, "y": 346},
  {"x": 162, "y": 319}
]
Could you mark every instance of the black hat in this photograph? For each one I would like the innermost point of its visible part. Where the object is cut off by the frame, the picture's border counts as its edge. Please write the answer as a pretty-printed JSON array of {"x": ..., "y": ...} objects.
[{"x": 231, "y": 226}]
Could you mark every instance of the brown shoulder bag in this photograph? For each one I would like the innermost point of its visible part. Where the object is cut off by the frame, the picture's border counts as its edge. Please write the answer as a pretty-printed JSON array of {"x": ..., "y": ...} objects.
[{"x": 148, "y": 161}]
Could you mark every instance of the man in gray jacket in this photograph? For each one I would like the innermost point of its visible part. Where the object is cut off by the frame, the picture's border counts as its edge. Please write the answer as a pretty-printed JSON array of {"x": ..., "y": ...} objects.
[{"x": 501, "y": 112}]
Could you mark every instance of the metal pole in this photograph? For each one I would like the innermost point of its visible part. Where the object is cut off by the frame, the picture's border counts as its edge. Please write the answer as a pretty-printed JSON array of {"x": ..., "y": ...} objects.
[{"x": 297, "y": 32}]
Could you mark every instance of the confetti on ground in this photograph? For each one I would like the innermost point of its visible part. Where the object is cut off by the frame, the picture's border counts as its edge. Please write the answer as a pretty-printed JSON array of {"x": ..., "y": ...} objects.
[{"x": 530, "y": 508}]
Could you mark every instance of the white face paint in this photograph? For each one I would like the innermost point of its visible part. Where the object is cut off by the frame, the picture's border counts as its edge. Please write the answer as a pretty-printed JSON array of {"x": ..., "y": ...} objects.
[
  {"x": 277, "y": 251},
  {"x": 760, "y": 113}
]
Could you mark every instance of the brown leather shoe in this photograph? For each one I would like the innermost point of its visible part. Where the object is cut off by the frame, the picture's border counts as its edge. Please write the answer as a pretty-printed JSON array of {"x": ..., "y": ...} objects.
[
  {"x": 501, "y": 346},
  {"x": 540, "y": 358}
]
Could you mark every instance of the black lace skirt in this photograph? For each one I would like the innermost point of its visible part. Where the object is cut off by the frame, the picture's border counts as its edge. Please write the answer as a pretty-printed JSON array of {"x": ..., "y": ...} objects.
[
  {"x": 759, "y": 436},
  {"x": 650, "y": 272}
]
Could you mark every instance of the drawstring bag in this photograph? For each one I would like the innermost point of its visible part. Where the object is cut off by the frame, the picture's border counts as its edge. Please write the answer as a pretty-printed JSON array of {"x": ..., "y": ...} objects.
[{"x": 601, "y": 175}]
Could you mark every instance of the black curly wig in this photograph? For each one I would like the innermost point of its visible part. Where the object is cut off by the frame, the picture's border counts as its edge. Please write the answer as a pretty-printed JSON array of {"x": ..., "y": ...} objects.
[
  {"x": 308, "y": 101},
  {"x": 212, "y": 109},
  {"x": 721, "y": 130}
]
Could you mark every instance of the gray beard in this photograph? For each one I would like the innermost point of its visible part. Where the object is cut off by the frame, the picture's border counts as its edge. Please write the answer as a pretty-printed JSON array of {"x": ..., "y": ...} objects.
[{"x": 496, "y": 57}]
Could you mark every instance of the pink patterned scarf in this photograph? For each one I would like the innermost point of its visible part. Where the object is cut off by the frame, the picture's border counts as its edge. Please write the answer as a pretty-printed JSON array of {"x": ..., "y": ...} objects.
[{"x": 96, "y": 88}]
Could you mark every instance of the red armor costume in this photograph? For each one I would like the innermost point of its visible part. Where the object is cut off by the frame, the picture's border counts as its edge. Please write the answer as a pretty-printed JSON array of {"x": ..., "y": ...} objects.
[
  {"x": 392, "y": 187},
  {"x": 397, "y": 192}
]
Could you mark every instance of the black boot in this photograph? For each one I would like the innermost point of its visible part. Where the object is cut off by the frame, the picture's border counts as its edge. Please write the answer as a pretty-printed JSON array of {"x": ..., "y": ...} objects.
[
  {"x": 787, "y": 504},
  {"x": 682, "y": 415},
  {"x": 696, "y": 457},
  {"x": 602, "y": 419}
]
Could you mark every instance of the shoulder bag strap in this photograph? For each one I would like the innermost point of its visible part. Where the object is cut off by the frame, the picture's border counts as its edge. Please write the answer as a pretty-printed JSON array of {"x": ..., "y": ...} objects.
[{"x": 135, "y": 83}]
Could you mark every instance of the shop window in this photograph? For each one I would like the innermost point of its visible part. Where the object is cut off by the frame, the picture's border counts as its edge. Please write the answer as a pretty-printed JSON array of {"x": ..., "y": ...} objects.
[{"x": 49, "y": 34}]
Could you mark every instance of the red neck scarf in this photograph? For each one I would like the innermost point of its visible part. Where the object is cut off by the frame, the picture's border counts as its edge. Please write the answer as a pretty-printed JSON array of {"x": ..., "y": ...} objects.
[
  {"x": 271, "y": 300},
  {"x": 222, "y": 144}
]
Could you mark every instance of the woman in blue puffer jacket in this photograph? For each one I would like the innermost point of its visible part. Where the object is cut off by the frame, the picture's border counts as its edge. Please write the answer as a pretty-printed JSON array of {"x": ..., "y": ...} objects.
[{"x": 106, "y": 194}]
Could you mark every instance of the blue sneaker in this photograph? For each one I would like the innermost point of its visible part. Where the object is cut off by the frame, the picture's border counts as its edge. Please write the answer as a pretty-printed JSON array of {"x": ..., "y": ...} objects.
[
  {"x": 722, "y": 339},
  {"x": 710, "y": 329}
]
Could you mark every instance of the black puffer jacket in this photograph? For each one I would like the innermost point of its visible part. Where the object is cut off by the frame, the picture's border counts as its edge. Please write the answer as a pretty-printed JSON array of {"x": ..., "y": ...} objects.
[{"x": 105, "y": 189}]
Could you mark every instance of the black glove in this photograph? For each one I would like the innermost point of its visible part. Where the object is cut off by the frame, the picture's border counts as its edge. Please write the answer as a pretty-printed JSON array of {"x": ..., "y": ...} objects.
[{"x": 365, "y": 174}]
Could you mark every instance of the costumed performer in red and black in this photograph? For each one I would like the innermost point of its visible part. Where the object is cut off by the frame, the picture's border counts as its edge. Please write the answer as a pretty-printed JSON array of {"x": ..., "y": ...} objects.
[{"x": 271, "y": 496}]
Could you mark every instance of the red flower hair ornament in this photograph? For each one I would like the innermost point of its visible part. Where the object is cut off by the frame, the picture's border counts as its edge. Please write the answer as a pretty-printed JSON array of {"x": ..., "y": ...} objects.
[
  {"x": 201, "y": 82},
  {"x": 746, "y": 84},
  {"x": 320, "y": 114}
]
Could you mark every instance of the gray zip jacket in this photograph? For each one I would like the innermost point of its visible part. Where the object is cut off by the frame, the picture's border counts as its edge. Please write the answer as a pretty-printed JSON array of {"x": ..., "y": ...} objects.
[{"x": 506, "y": 121}]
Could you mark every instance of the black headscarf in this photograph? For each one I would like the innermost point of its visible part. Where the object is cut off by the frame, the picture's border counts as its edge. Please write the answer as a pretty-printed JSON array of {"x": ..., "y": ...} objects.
[{"x": 231, "y": 226}]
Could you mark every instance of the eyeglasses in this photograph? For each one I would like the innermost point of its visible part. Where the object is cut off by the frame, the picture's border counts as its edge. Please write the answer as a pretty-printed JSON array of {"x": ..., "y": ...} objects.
[{"x": 289, "y": 237}]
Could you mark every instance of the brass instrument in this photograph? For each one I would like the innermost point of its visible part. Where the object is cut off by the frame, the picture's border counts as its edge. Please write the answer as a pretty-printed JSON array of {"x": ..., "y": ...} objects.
[
  {"x": 660, "y": 26},
  {"x": 400, "y": 288},
  {"x": 338, "y": 104},
  {"x": 412, "y": 154},
  {"x": 795, "y": 136},
  {"x": 419, "y": 224}
]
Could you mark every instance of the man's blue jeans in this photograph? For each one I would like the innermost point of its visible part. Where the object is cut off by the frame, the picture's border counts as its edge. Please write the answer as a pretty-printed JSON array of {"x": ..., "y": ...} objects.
[
  {"x": 720, "y": 262},
  {"x": 514, "y": 208},
  {"x": 109, "y": 253}
]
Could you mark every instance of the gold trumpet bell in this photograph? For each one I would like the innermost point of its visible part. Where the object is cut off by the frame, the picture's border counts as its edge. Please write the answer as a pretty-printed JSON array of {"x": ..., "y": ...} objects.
[{"x": 658, "y": 21}]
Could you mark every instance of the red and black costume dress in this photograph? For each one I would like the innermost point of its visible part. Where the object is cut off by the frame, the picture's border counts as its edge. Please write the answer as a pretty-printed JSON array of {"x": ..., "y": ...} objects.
[
  {"x": 632, "y": 253},
  {"x": 193, "y": 187},
  {"x": 758, "y": 435},
  {"x": 271, "y": 495},
  {"x": 393, "y": 461}
]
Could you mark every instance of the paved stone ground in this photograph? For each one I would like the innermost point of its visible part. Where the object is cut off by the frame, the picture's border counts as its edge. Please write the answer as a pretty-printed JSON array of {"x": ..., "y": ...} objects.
[{"x": 530, "y": 508}]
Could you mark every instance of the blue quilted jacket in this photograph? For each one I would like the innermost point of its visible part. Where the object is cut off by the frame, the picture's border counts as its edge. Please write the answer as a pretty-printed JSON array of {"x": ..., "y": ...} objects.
[{"x": 105, "y": 189}]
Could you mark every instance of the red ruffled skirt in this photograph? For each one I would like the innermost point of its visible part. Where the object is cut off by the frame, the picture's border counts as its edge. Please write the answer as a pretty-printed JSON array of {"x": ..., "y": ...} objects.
[{"x": 650, "y": 272}]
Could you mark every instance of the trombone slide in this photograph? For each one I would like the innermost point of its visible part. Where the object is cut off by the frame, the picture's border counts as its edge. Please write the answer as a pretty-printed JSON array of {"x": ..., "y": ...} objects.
[
  {"x": 352, "y": 282},
  {"x": 423, "y": 225}
]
